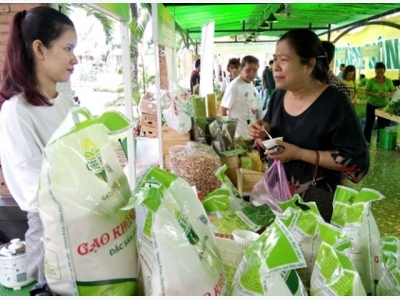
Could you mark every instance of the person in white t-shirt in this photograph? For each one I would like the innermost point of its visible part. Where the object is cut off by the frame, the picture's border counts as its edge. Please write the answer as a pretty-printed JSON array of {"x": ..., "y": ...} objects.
[
  {"x": 39, "y": 53},
  {"x": 240, "y": 99}
]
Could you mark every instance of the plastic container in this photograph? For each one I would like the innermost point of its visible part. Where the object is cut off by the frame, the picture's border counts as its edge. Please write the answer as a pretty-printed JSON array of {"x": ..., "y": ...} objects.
[
  {"x": 245, "y": 237},
  {"x": 13, "y": 265},
  {"x": 271, "y": 144}
]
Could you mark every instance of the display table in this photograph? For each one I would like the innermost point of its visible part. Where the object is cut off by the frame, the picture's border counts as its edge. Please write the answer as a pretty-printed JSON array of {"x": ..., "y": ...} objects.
[{"x": 380, "y": 113}]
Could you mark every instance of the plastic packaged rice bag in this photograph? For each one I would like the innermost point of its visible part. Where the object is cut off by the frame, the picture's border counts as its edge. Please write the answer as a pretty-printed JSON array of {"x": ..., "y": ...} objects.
[
  {"x": 334, "y": 273},
  {"x": 269, "y": 265},
  {"x": 90, "y": 244},
  {"x": 232, "y": 253},
  {"x": 389, "y": 282},
  {"x": 303, "y": 226},
  {"x": 226, "y": 197},
  {"x": 352, "y": 213},
  {"x": 177, "y": 250}
]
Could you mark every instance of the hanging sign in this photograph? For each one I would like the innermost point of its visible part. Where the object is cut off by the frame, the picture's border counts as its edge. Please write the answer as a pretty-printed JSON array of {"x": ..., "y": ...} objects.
[{"x": 166, "y": 27}]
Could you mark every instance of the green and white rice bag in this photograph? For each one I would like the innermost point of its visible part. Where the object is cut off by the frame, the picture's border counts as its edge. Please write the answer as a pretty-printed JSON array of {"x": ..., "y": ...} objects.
[
  {"x": 389, "y": 282},
  {"x": 352, "y": 213},
  {"x": 90, "y": 243},
  {"x": 269, "y": 265},
  {"x": 224, "y": 198},
  {"x": 303, "y": 226},
  {"x": 334, "y": 273},
  {"x": 177, "y": 250}
]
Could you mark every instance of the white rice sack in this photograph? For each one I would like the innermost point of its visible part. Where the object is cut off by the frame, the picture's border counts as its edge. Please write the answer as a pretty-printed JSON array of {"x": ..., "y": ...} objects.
[
  {"x": 352, "y": 213},
  {"x": 90, "y": 244},
  {"x": 178, "y": 251},
  {"x": 269, "y": 265}
]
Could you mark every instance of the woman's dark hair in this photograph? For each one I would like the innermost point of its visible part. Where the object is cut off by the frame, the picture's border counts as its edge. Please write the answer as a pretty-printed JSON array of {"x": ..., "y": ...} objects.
[
  {"x": 307, "y": 45},
  {"x": 249, "y": 59},
  {"x": 362, "y": 76},
  {"x": 349, "y": 68},
  {"x": 39, "y": 23},
  {"x": 233, "y": 62},
  {"x": 380, "y": 65}
]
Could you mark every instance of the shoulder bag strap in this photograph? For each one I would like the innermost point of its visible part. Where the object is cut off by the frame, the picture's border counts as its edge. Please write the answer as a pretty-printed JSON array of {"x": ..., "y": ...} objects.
[{"x": 314, "y": 180}]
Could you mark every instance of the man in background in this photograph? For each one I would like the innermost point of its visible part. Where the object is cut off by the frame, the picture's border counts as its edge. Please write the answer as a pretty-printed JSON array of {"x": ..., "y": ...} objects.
[
  {"x": 268, "y": 83},
  {"x": 240, "y": 99},
  {"x": 334, "y": 80},
  {"x": 195, "y": 78}
]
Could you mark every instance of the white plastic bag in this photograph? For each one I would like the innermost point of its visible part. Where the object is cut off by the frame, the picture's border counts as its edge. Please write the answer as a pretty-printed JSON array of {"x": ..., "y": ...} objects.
[
  {"x": 90, "y": 244},
  {"x": 177, "y": 109}
]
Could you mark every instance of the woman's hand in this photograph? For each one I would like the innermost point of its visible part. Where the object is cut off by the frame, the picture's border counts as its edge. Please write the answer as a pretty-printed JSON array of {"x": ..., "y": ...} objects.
[
  {"x": 256, "y": 130},
  {"x": 290, "y": 152}
]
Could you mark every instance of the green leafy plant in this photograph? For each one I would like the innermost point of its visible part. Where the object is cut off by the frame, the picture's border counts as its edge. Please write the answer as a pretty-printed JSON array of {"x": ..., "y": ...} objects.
[{"x": 393, "y": 108}]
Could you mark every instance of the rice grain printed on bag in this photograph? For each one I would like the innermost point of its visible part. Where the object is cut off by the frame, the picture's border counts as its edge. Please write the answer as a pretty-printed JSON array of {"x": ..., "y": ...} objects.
[{"x": 90, "y": 243}]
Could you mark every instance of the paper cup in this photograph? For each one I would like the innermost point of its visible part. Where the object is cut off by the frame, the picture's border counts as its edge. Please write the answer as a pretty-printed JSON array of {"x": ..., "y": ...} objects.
[
  {"x": 245, "y": 237},
  {"x": 271, "y": 144}
]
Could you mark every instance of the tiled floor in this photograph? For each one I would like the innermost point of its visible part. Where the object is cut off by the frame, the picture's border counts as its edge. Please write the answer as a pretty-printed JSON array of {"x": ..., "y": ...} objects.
[{"x": 384, "y": 176}]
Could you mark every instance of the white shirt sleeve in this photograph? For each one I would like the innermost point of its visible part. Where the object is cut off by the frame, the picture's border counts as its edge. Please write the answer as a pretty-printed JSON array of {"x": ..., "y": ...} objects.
[
  {"x": 229, "y": 97},
  {"x": 225, "y": 83},
  {"x": 21, "y": 159}
]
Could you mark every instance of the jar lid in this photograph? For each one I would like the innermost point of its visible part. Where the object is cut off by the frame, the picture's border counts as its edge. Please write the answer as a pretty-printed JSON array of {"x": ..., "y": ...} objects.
[{"x": 15, "y": 247}]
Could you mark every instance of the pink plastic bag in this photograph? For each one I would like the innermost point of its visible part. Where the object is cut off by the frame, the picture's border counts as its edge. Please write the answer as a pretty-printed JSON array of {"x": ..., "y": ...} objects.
[{"x": 273, "y": 187}]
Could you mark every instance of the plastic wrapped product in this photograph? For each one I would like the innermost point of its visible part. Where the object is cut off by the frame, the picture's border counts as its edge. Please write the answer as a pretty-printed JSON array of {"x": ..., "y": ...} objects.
[
  {"x": 269, "y": 265},
  {"x": 177, "y": 250},
  {"x": 334, "y": 273},
  {"x": 352, "y": 213},
  {"x": 389, "y": 282},
  {"x": 90, "y": 244},
  {"x": 197, "y": 164},
  {"x": 303, "y": 225}
]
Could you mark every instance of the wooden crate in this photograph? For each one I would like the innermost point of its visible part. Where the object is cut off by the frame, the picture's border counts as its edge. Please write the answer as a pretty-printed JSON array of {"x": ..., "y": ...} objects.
[
  {"x": 230, "y": 161},
  {"x": 246, "y": 180},
  {"x": 171, "y": 138}
]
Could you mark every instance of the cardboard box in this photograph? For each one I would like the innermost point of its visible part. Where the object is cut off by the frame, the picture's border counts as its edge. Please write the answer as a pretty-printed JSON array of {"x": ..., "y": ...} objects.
[
  {"x": 148, "y": 107},
  {"x": 148, "y": 132},
  {"x": 149, "y": 121}
]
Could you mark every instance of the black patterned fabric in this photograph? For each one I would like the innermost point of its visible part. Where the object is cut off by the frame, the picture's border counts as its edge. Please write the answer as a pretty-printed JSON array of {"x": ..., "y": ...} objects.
[{"x": 329, "y": 124}]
